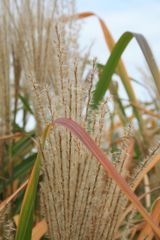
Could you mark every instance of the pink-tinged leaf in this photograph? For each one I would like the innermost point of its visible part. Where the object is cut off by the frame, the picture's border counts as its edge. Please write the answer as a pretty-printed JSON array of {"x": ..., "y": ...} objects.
[
  {"x": 95, "y": 150},
  {"x": 10, "y": 198}
]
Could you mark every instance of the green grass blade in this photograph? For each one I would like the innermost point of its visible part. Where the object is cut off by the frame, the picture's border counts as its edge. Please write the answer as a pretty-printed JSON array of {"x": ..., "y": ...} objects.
[
  {"x": 24, "y": 230},
  {"x": 109, "y": 69},
  {"x": 114, "y": 62}
]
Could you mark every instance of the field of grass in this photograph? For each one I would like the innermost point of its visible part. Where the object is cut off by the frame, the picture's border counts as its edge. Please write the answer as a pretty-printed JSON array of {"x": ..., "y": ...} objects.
[{"x": 78, "y": 160}]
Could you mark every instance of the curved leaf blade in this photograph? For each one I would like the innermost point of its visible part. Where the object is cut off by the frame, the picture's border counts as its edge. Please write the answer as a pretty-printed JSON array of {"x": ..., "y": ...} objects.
[
  {"x": 109, "y": 68},
  {"x": 95, "y": 150}
]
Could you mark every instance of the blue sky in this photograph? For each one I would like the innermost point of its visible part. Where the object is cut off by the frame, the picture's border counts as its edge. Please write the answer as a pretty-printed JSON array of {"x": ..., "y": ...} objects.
[{"x": 141, "y": 16}]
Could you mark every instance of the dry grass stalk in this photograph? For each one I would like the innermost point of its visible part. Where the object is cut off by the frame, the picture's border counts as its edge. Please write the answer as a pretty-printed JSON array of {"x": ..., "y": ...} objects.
[
  {"x": 7, "y": 229},
  {"x": 5, "y": 123}
]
